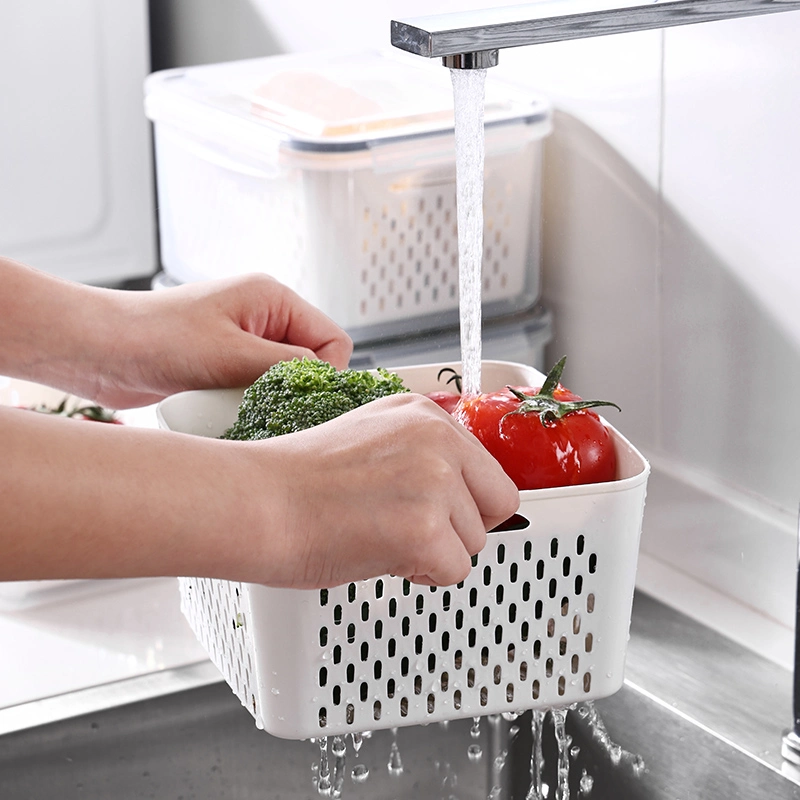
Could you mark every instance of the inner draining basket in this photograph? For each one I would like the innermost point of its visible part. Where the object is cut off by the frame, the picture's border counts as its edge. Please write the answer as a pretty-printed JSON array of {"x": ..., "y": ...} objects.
[{"x": 542, "y": 620}]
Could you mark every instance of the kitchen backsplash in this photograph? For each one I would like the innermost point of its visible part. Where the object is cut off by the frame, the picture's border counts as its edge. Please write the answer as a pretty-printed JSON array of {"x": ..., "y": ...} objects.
[{"x": 671, "y": 266}]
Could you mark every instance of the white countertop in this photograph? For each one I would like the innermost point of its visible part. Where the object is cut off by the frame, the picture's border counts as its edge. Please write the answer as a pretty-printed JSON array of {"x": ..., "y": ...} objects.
[
  {"x": 62, "y": 636},
  {"x": 93, "y": 632}
]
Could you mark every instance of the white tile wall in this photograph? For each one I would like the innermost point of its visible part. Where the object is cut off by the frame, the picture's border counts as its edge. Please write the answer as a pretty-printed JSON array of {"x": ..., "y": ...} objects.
[{"x": 672, "y": 263}]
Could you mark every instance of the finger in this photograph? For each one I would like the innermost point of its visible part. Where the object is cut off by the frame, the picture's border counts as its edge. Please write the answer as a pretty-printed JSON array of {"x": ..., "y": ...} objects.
[
  {"x": 337, "y": 352},
  {"x": 294, "y": 321},
  {"x": 450, "y": 567},
  {"x": 423, "y": 580},
  {"x": 441, "y": 560},
  {"x": 468, "y": 523},
  {"x": 493, "y": 492}
]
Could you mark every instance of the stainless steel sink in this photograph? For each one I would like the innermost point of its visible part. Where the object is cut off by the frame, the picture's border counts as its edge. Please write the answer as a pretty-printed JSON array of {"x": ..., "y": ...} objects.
[
  {"x": 201, "y": 743},
  {"x": 705, "y": 715}
]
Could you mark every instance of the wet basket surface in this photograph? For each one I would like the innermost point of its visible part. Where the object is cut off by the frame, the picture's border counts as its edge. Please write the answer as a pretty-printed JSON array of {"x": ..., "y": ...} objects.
[{"x": 542, "y": 620}]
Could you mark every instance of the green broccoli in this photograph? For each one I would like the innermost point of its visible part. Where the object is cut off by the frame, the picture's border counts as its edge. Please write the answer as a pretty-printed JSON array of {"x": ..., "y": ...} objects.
[{"x": 299, "y": 394}]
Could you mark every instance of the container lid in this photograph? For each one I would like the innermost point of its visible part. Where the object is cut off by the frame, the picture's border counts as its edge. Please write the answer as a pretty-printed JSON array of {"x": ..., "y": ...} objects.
[{"x": 329, "y": 102}]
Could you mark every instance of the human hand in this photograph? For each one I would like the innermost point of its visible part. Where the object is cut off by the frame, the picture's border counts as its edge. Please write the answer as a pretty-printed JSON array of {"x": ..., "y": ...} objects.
[
  {"x": 393, "y": 487},
  {"x": 221, "y": 333}
]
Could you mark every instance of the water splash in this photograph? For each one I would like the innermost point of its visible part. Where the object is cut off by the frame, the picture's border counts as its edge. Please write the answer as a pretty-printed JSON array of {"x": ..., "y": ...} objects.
[
  {"x": 395, "y": 762},
  {"x": 559, "y": 716},
  {"x": 449, "y": 781},
  {"x": 586, "y": 783},
  {"x": 616, "y": 754},
  {"x": 536, "y": 790},
  {"x": 324, "y": 785}
]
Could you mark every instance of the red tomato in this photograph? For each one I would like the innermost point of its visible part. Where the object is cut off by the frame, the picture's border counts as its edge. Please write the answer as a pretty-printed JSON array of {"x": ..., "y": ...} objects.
[
  {"x": 447, "y": 400},
  {"x": 542, "y": 437}
]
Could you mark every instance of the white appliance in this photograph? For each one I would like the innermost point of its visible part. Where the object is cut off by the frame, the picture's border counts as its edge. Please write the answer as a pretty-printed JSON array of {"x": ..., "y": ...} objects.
[{"x": 76, "y": 182}]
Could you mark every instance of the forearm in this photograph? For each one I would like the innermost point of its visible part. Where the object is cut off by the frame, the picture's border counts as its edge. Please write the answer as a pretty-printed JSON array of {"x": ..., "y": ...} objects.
[
  {"x": 89, "y": 500},
  {"x": 51, "y": 330}
]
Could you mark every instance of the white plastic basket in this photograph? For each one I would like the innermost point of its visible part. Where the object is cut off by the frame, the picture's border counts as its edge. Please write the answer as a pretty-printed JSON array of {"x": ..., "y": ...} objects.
[{"x": 541, "y": 621}]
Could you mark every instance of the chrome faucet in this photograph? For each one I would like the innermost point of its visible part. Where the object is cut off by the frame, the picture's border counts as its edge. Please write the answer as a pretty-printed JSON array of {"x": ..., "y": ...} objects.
[{"x": 473, "y": 39}]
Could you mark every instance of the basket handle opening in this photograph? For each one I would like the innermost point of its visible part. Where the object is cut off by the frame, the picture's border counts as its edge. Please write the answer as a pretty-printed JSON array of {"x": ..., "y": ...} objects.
[{"x": 514, "y": 523}]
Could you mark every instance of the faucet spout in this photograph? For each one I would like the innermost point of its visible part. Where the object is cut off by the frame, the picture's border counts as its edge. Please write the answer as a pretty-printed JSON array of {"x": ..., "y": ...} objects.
[{"x": 472, "y": 39}]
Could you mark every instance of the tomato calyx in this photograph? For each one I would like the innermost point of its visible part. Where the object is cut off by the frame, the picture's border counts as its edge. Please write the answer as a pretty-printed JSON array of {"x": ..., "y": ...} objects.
[
  {"x": 454, "y": 377},
  {"x": 546, "y": 404}
]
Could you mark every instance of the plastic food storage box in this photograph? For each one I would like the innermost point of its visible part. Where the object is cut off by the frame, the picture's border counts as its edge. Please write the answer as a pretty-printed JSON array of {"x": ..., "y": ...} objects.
[
  {"x": 520, "y": 337},
  {"x": 336, "y": 174},
  {"x": 541, "y": 621}
]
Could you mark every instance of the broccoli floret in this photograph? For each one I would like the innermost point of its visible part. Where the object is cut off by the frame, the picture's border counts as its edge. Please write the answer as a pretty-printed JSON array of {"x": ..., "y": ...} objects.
[{"x": 295, "y": 395}]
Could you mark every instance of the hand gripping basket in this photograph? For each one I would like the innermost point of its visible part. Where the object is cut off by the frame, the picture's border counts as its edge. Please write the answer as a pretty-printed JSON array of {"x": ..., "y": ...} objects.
[{"x": 541, "y": 621}]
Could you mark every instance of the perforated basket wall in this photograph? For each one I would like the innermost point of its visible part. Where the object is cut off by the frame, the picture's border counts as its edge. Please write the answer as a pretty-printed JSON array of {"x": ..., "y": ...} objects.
[
  {"x": 542, "y": 620},
  {"x": 369, "y": 245}
]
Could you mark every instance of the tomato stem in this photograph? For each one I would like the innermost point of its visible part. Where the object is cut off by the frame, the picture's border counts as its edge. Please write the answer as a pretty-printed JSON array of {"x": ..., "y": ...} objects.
[
  {"x": 544, "y": 402},
  {"x": 454, "y": 378}
]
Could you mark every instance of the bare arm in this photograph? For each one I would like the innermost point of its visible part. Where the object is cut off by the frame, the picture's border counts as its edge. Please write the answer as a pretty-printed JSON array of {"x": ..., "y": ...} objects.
[
  {"x": 393, "y": 487},
  {"x": 125, "y": 349}
]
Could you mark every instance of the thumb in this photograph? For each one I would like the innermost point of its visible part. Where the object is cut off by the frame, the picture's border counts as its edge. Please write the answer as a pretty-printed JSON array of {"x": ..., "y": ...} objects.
[{"x": 251, "y": 361}]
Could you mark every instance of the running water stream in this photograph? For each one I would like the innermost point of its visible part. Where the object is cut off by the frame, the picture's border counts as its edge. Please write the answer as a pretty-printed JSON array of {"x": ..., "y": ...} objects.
[
  {"x": 468, "y": 97},
  {"x": 468, "y": 103}
]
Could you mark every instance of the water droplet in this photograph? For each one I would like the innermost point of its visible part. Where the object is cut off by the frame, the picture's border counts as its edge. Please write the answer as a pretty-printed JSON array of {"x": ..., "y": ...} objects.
[
  {"x": 638, "y": 766},
  {"x": 358, "y": 740},
  {"x": 575, "y": 751},
  {"x": 586, "y": 783},
  {"x": 395, "y": 762},
  {"x": 474, "y": 752},
  {"x": 510, "y": 716},
  {"x": 338, "y": 746},
  {"x": 475, "y": 730},
  {"x": 360, "y": 773},
  {"x": 275, "y": 691}
]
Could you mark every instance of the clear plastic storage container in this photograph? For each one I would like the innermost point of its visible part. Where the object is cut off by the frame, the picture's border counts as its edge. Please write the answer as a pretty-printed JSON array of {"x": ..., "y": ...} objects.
[
  {"x": 335, "y": 173},
  {"x": 520, "y": 338}
]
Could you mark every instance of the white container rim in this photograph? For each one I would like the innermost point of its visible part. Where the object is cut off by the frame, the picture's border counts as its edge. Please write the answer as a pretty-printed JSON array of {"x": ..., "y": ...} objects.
[{"x": 173, "y": 98}]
